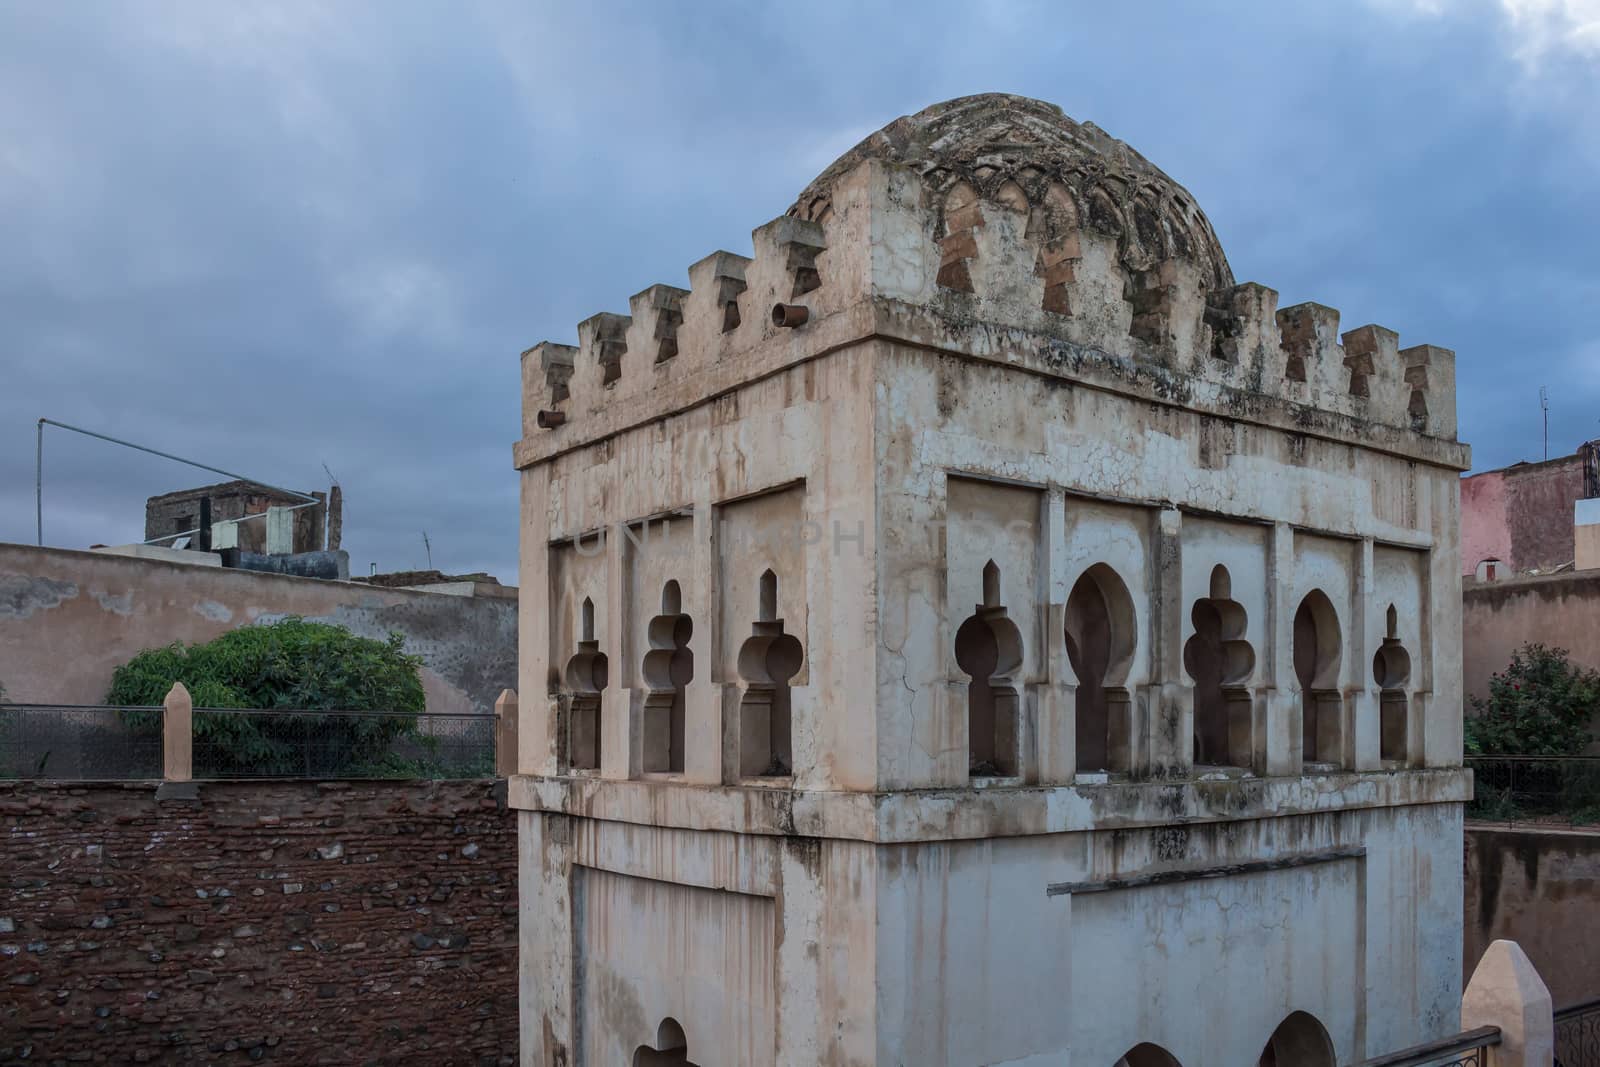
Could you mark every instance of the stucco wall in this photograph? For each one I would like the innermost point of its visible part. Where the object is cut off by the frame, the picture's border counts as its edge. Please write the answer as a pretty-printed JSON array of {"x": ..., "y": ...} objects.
[
  {"x": 1541, "y": 889},
  {"x": 68, "y": 619},
  {"x": 1497, "y": 618},
  {"x": 1521, "y": 515}
]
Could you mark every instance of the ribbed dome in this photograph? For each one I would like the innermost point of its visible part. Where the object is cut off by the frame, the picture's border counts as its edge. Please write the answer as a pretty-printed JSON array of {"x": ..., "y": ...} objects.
[{"x": 991, "y": 139}]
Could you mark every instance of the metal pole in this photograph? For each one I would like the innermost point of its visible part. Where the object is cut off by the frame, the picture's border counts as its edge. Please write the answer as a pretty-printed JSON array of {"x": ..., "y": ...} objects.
[{"x": 38, "y": 482}]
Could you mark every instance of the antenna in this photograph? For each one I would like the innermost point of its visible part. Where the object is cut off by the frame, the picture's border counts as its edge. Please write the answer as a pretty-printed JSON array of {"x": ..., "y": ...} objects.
[
  {"x": 1544, "y": 408},
  {"x": 428, "y": 548},
  {"x": 332, "y": 480}
]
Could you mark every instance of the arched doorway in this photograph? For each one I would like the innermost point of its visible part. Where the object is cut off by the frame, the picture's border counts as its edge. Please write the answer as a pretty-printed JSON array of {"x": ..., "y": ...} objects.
[
  {"x": 1100, "y": 635},
  {"x": 1147, "y": 1055},
  {"x": 1317, "y": 647},
  {"x": 671, "y": 1048},
  {"x": 1299, "y": 1041}
]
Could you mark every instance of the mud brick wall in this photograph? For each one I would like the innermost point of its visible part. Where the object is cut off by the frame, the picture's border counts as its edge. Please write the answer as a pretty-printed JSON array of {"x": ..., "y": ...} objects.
[{"x": 296, "y": 922}]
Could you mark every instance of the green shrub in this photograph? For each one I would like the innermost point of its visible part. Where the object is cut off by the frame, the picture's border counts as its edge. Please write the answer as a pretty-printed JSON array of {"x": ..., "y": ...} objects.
[
  {"x": 291, "y": 664},
  {"x": 1540, "y": 705}
]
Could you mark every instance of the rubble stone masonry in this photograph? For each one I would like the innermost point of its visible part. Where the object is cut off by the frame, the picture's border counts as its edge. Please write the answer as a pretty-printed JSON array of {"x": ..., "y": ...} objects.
[{"x": 231, "y": 922}]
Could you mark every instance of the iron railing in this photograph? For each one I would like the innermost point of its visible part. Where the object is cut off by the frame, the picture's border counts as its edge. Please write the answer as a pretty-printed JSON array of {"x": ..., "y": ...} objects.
[
  {"x": 1578, "y": 1035},
  {"x": 77, "y": 742},
  {"x": 1462, "y": 1050},
  {"x": 1548, "y": 790},
  {"x": 108, "y": 743}
]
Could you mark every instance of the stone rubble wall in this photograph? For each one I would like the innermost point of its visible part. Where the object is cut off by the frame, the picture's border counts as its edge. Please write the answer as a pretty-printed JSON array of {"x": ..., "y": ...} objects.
[{"x": 300, "y": 922}]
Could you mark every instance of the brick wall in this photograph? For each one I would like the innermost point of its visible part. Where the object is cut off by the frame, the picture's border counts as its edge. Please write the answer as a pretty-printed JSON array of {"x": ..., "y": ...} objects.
[{"x": 299, "y": 922}]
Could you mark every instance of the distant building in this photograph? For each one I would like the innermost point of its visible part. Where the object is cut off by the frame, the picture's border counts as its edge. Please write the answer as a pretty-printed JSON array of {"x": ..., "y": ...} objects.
[
  {"x": 1532, "y": 518},
  {"x": 173, "y": 518}
]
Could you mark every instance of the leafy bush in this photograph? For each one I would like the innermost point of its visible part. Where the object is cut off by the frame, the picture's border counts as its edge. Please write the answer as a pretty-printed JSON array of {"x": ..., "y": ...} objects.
[
  {"x": 1540, "y": 705},
  {"x": 291, "y": 664}
]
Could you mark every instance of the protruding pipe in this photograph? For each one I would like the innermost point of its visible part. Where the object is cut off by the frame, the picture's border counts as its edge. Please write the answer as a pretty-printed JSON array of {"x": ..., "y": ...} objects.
[
  {"x": 549, "y": 420},
  {"x": 790, "y": 314}
]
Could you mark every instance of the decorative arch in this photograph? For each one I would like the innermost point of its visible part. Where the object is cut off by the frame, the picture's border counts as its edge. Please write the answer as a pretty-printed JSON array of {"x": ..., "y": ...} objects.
[
  {"x": 1147, "y": 1055},
  {"x": 1391, "y": 671},
  {"x": 1220, "y": 660},
  {"x": 667, "y": 669},
  {"x": 989, "y": 651},
  {"x": 671, "y": 1048},
  {"x": 1101, "y": 636},
  {"x": 767, "y": 660},
  {"x": 1299, "y": 1041},
  {"x": 1053, "y": 226},
  {"x": 1317, "y": 648},
  {"x": 586, "y": 675},
  {"x": 962, "y": 214}
]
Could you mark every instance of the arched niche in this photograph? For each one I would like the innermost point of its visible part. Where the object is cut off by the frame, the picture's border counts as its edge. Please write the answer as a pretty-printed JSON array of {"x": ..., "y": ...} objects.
[
  {"x": 1147, "y": 1055},
  {"x": 1220, "y": 660},
  {"x": 767, "y": 659},
  {"x": 1101, "y": 636},
  {"x": 585, "y": 675},
  {"x": 666, "y": 671},
  {"x": 1317, "y": 647},
  {"x": 1299, "y": 1041},
  {"x": 989, "y": 650},
  {"x": 671, "y": 1048},
  {"x": 1391, "y": 672}
]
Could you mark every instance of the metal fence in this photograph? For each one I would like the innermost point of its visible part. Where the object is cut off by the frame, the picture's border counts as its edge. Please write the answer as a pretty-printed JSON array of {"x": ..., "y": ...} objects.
[
  {"x": 79, "y": 743},
  {"x": 1469, "y": 1049},
  {"x": 1578, "y": 1035},
  {"x": 1549, "y": 790},
  {"x": 250, "y": 743},
  {"x": 76, "y": 742}
]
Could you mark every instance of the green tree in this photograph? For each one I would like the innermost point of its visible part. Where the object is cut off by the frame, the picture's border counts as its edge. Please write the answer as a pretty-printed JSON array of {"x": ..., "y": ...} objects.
[
  {"x": 1540, "y": 705},
  {"x": 291, "y": 665}
]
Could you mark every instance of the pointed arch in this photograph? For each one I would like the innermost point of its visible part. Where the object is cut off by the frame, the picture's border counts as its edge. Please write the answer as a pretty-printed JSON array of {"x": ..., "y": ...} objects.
[
  {"x": 671, "y": 1048},
  {"x": 1299, "y": 1041},
  {"x": 1101, "y": 636},
  {"x": 1146, "y": 1054},
  {"x": 1317, "y": 660}
]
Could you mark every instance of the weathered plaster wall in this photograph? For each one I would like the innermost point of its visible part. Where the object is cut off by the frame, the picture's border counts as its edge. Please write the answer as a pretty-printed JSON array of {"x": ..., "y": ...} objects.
[
  {"x": 297, "y": 922},
  {"x": 1497, "y": 618},
  {"x": 68, "y": 619},
  {"x": 1521, "y": 515},
  {"x": 1541, "y": 889}
]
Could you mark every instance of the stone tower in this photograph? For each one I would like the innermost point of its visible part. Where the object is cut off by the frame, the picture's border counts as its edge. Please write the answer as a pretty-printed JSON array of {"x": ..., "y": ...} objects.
[{"x": 977, "y": 630}]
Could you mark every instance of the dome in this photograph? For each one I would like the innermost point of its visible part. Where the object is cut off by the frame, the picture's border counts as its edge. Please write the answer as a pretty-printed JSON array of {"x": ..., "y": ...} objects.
[{"x": 993, "y": 139}]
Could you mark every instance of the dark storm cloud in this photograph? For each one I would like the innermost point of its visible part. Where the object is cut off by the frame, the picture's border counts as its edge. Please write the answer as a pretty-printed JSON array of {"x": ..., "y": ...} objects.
[{"x": 323, "y": 233}]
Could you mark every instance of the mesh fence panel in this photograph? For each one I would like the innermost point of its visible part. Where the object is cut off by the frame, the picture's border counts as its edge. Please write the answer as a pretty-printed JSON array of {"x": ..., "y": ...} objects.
[
  {"x": 1552, "y": 790},
  {"x": 249, "y": 743},
  {"x": 73, "y": 742}
]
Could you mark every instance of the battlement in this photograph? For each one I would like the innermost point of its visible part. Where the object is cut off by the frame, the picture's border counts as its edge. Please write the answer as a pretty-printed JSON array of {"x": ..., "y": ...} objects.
[{"x": 1017, "y": 263}]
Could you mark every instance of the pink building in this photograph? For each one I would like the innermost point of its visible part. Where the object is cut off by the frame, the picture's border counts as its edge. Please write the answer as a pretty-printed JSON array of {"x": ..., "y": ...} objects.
[{"x": 1519, "y": 519}]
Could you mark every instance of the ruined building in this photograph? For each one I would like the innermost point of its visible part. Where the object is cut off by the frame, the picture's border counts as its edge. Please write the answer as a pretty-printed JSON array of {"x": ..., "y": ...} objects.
[
  {"x": 977, "y": 630},
  {"x": 237, "y": 513}
]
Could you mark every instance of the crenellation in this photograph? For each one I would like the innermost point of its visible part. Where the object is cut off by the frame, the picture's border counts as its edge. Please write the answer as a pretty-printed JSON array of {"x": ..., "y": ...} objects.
[
  {"x": 546, "y": 375},
  {"x": 715, "y": 285},
  {"x": 602, "y": 343},
  {"x": 657, "y": 313},
  {"x": 1430, "y": 372},
  {"x": 1245, "y": 335},
  {"x": 1312, "y": 353},
  {"x": 1372, "y": 354}
]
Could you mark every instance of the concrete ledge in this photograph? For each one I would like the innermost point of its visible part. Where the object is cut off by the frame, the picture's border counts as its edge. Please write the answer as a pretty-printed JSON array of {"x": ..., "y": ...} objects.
[{"x": 947, "y": 815}]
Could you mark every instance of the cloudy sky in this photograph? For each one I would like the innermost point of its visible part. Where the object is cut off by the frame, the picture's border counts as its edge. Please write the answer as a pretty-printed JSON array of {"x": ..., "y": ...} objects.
[{"x": 280, "y": 236}]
